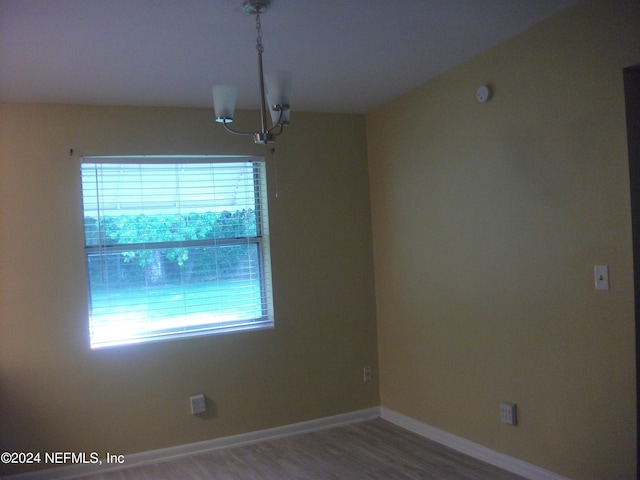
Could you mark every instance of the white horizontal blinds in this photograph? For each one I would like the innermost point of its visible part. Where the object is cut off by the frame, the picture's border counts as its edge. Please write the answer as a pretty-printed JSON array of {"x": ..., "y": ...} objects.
[
  {"x": 113, "y": 190},
  {"x": 175, "y": 247}
]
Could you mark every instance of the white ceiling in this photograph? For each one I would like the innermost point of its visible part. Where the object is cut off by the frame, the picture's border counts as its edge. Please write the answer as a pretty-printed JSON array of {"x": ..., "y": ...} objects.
[{"x": 347, "y": 56}]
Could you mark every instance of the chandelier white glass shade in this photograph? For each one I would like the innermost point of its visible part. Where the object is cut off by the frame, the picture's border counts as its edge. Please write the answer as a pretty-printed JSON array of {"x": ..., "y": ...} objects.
[{"x": 275, "y": 91}]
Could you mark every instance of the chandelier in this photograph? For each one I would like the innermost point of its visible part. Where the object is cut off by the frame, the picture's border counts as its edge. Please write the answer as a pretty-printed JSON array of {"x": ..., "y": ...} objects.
[{"x": 275, "y": 91}]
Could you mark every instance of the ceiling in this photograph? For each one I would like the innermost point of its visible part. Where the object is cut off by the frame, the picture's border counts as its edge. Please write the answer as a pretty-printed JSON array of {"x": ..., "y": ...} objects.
[{"x": 347, "y": 56}]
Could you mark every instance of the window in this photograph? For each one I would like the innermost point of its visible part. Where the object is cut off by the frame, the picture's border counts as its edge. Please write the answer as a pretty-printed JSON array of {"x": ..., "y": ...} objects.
[{"x": 175, "y": 247}]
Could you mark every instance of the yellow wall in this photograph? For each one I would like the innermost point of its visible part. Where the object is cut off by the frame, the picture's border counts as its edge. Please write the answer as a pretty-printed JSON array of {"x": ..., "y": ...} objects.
[
  {"x": 487, "y": 222},
  {"x": 58, "y": 395}
]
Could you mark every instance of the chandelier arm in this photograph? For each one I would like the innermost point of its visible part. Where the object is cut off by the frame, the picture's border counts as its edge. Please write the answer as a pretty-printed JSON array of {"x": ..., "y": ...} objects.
[
  {"x": 235, "y": 132},
  {"x": 275, "y": 134},
  {"x": 277, "y": 124}
]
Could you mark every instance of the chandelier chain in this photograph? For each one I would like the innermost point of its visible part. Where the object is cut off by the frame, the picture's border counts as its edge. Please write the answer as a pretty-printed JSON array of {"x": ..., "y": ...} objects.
[{"x": 259, "y": 46}]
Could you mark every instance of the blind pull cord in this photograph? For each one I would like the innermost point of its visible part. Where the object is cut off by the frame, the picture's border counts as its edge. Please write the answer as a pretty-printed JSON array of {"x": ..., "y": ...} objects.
[{"x": 275, "y": 167}]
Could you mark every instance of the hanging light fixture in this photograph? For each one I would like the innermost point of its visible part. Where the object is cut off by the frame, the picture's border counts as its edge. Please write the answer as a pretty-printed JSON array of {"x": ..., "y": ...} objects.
[{"x": 275, "y": 90}]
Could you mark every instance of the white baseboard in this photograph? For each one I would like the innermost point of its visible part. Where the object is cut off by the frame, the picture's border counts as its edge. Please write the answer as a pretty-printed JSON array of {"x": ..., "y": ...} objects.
[
  {"x": 470, "y": 448},
  {"x": 460, "y": 444},
  {"x": 199, "y": 447}
]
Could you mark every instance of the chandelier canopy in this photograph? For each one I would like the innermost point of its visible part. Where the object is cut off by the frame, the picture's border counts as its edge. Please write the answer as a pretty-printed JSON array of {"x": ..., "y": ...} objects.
[{"x": 275, "y": 90}]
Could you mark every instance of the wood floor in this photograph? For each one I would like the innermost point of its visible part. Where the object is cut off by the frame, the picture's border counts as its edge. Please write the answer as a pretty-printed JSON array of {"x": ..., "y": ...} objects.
[{"x": 373, "y": 449}]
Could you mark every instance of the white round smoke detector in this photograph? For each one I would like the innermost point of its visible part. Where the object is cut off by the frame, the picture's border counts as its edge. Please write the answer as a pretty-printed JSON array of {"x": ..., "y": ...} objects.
[{"x": 483, "y": 94}]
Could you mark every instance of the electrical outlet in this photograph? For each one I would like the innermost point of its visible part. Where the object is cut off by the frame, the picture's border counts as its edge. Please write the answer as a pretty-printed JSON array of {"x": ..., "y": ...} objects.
[
  {"x": 508, "y": 413},
  {"x": 366, "y": 374},
  {"x": 198, "y": 404}
]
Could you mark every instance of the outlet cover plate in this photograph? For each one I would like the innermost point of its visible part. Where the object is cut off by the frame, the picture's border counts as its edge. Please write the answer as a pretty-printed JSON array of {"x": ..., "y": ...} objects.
[
  {"x": 198, "y": 404},
  {"x": 508, "y": 413}
]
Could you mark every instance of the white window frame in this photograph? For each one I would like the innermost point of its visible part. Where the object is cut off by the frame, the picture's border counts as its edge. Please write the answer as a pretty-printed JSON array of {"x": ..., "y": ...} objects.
[{"x": 261, "y": 240}]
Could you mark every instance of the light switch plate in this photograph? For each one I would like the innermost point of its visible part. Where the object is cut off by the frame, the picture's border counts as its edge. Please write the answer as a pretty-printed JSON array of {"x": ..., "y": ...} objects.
[{"x": 601, "y": 276}]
